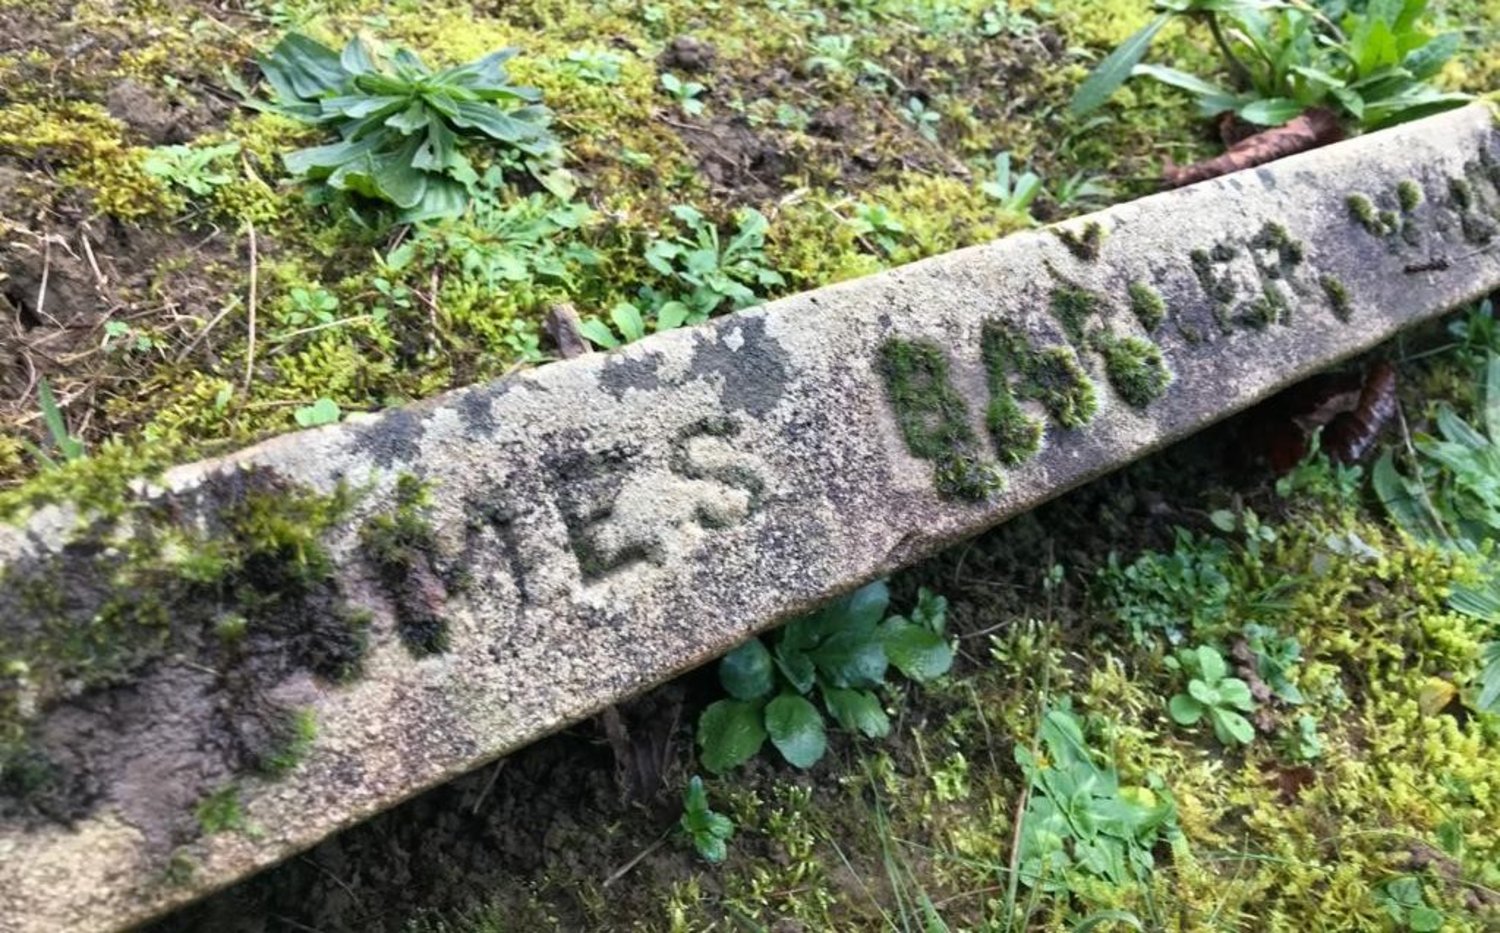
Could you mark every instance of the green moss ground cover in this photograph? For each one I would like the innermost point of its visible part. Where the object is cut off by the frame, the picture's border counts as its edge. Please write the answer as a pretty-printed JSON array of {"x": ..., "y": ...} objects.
[{"x": 146, "y": 216}]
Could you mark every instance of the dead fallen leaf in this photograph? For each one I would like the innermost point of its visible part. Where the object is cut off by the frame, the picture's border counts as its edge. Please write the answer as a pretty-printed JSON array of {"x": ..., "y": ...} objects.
[{"x": 1317, "y": 127}]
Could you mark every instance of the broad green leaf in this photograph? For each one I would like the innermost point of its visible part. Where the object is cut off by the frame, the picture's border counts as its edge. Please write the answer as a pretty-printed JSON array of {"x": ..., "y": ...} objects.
[
  {"x": 748, "y": 672},
  {"x": 598, "y": 333},
  {"x": 415, "y": 117},
  {"x": 1428, "y": 59},
  {"x": 1236, "y": 693},
  {"x": 1479, "y": 602},
  {"x": 1230, "y": 727},
  {"x": 1185, "y": 710},
  {"x": 1399, "y": 496},
  {"x": 857, "y": 711},
  {"x": 730, "y": 732},
  {"x": 711, "y": 847},
  {"x": 627, "y": 319},
  {"x": 397, "y": 180},
  {"x": 303, "y": 67},
  {"x": 851, "y": 659},
  {"x": 1116, "y": 68},
  {"x": 323, "y": 411},
  {"x": 720, "y": 825},
  {"x": 491, "y": 121},
  {"x": 1424, "y": 919},
  {"x": 361, "y": 106},
  {"x": 917, "y": 652},
  {"x": 1273, "y": 111},
  {"x": 796, "y": 666},
  {"x": 1319, "y": 77},
  {"x": 1489, "y": 680},
  {"x": 440, "y": 149},
  {"x": 322, "y": 161},
  {"x": 1181, "y": 79},
  {"x": 1352, "y": 101},
  {"x": 672, "y": 315},
  {"x": 1458, "y": 431},
  {"x": 1211, "y": 664},
  {"x": 866, "y": 606},
  {"x": 444, "y": 197},
  {"x": 796, "y": 729},
  {"x": 1203, "y": 693},
  {"x": 355, "y": 59},
  {"x": 694, "y": 797}
]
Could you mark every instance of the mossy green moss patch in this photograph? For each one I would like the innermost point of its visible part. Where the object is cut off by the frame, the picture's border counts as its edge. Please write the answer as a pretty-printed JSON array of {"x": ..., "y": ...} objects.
[
  {"x": 1148, "y": 305},
  {"x": 1135, "y": 368},
  {"x": 934, "y": 418},
  {"x": 1052, "y": 376}
]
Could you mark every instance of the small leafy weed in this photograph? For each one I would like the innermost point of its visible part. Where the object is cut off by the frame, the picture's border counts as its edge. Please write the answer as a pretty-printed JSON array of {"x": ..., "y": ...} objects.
[
  {"x": 1080, "y": 820},
  {"x": 1213, "y": 693},
  {"x": 402, "y": 126},
  {"x": 841, "y": 654},
  {"x": 1403, "y": 899},
  {"x": 197, "y": 170},
  {"x": 709, "y": 831},
  {"x": 686, "y": 93}
]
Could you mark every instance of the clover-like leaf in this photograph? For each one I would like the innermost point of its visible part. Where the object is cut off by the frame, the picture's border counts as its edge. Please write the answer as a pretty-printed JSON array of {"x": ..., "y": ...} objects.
[
  {"x": 1230, "y": 727},
  {"x": 1185, "y": 710}
]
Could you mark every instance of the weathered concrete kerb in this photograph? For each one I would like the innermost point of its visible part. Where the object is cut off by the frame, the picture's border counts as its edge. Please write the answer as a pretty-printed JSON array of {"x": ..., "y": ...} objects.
[{"x": 230, "y": 665}]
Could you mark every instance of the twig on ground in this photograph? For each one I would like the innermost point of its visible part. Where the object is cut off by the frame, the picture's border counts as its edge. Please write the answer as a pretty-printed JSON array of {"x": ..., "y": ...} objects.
[
  {"x": 489, "y": 785},
  {"x": 250, "y": 305},
  {"x": 213, "y": 322},
  {"x": 625, "y": 869}
]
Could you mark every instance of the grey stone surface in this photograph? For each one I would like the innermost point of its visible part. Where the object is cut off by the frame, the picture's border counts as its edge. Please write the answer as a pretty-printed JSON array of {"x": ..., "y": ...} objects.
[{"x": 599, "y": 525}]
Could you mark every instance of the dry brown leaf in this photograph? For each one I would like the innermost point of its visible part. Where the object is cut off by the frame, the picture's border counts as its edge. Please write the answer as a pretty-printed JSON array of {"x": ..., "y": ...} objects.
[{"x": 1317, "y": 127}]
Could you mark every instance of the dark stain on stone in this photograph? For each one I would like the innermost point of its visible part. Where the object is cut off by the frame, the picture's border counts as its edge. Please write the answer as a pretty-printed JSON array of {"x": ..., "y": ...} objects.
[
  {"x": 627, "y": 372},
  {"x": 755, "y": 375},
  {"x": 477, "y": 407},
  {"x": 392, "y": 440},
  {"x": 172, "y": 695}
]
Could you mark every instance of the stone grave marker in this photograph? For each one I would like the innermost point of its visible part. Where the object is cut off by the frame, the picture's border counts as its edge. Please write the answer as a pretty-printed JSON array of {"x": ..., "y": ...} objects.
[{"x": 207, "y": 673}]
